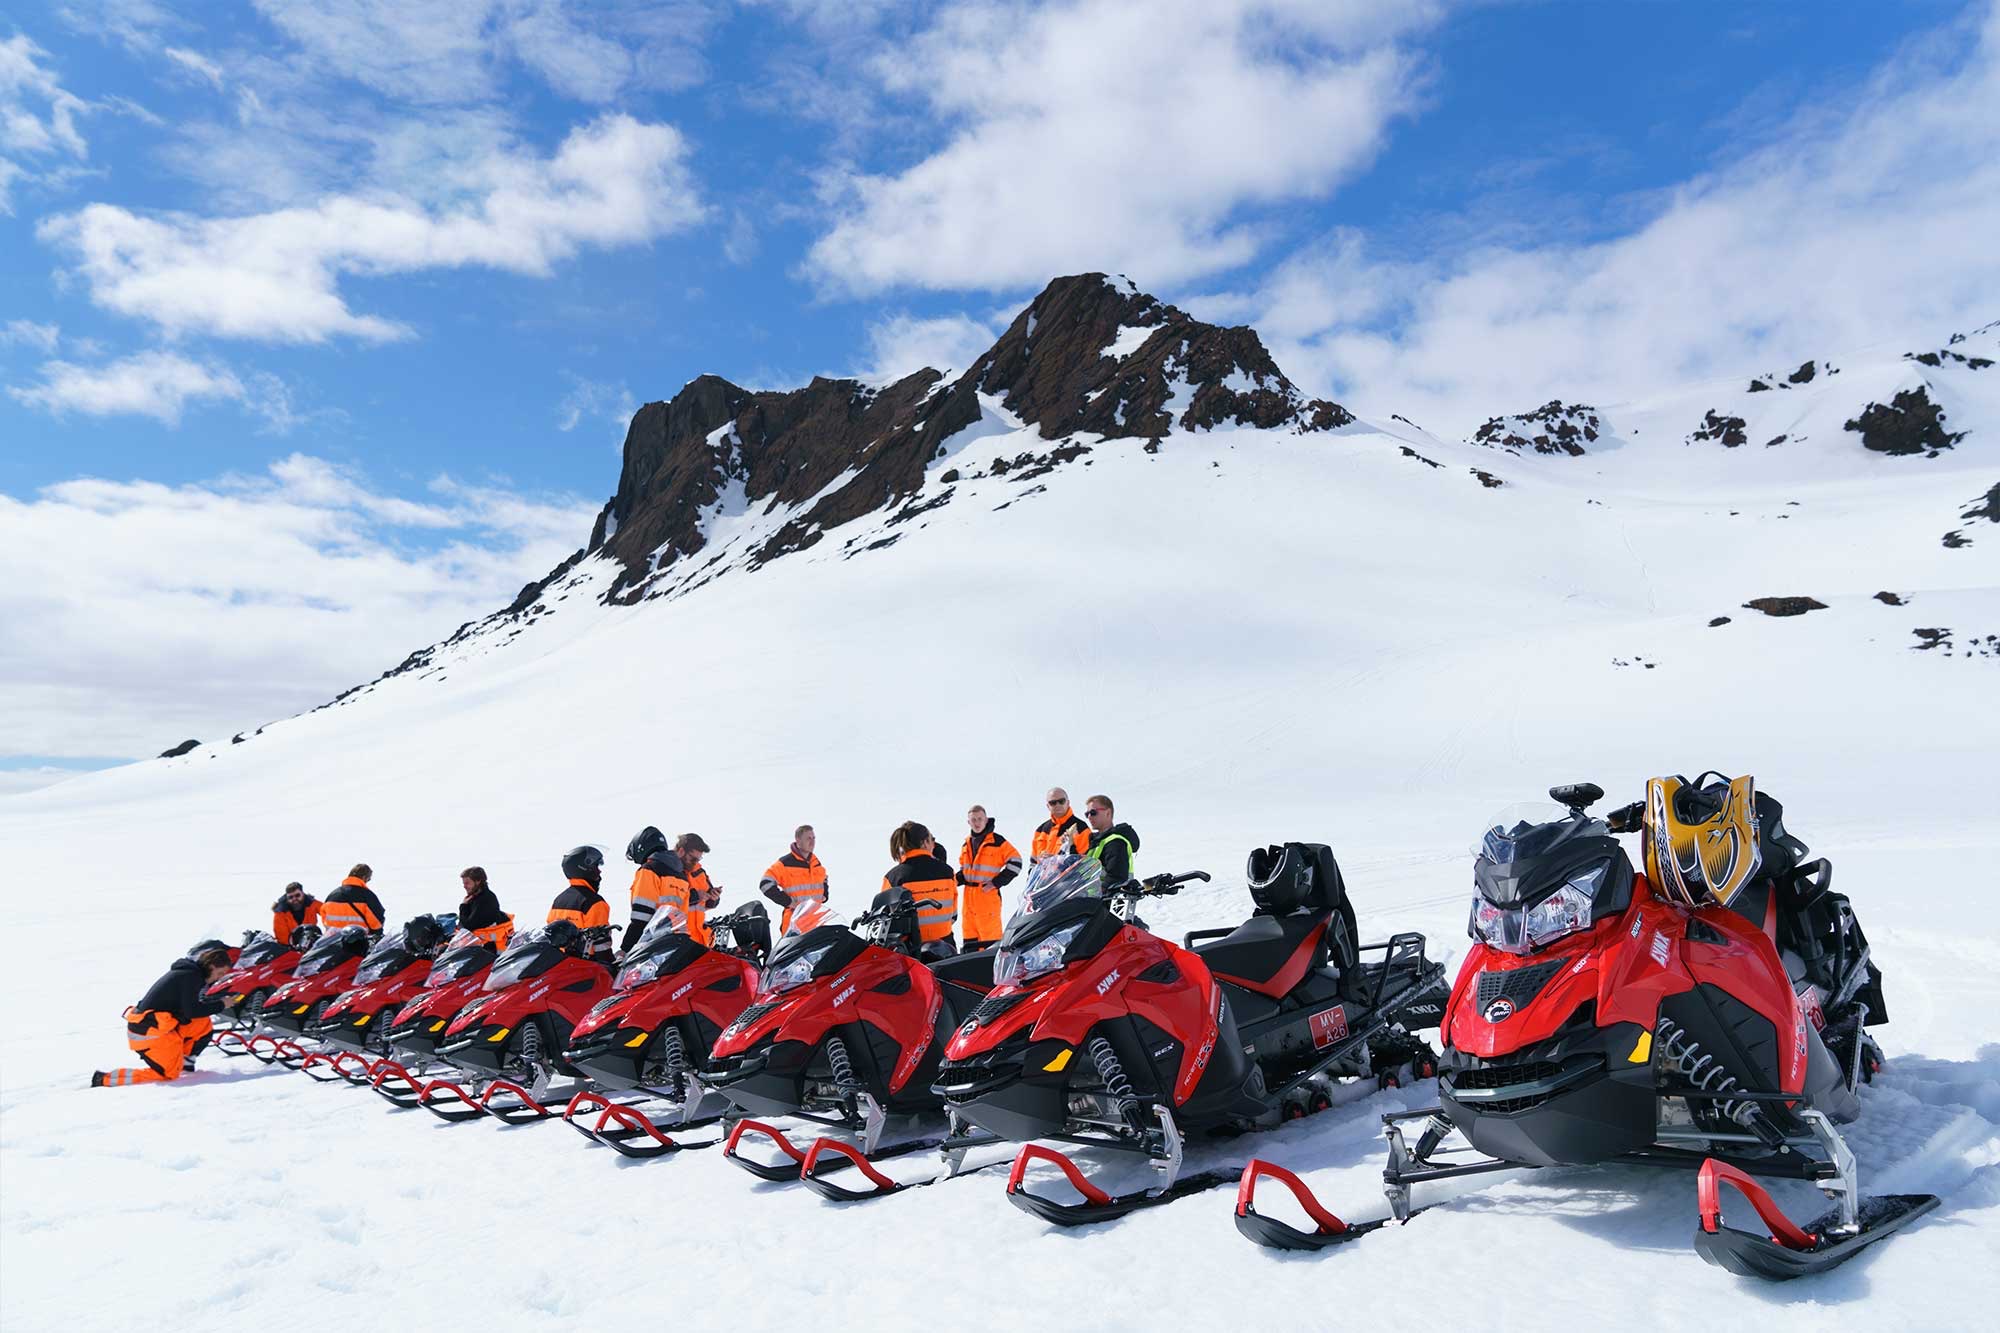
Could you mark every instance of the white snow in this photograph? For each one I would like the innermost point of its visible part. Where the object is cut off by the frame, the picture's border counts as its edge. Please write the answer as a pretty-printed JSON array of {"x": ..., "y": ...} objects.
[
  {"x": 1321, "y": 641},
  {"x": 1129, "y": 339}
]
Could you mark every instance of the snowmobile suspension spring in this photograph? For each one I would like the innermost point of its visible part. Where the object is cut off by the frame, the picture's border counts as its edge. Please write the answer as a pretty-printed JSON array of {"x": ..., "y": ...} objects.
[
  {"x": 843, "y": 1068},
  {"x": 673, "y": 1055},
  {"x": 1108, "y": 1069},
  {"x": 1684, "y": 1053}
]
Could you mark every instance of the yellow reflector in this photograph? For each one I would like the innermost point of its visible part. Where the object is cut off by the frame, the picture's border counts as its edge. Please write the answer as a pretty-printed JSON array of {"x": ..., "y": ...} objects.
[
  {"x": 639, "y": 1040},
  {"x": 362, "y": 1021},
  {"x": 435, "y": 1026},
  {"x": 1643, "y": 1051},
  {"x": 501, "y": 1035},
  {"x": 302, "y": 1008},
  {"x": 1060, "y": 1063}
]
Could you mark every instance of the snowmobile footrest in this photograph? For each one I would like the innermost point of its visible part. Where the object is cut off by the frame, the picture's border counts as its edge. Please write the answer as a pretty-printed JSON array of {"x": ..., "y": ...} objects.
[
  {"x": 786, "y": 1170},
  {"x": 1097, "y": 1206},
  {"x": 811, "y": 1173},
  {"x": 467, "y": 1108},
  {"x": 1328, "y": 1229},
  {"x": 405, "y": 1093},
  {"x": 1789, "y": 1250},
  {"x": 337, "y": 1067},
  {"x": 231, "y": 1043},
  {"x": 527, "y": 1112}
]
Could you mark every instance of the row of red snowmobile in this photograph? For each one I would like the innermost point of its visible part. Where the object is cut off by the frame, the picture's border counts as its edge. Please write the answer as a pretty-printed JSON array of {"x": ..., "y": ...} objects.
[{"x": 1708, "y": 1012}]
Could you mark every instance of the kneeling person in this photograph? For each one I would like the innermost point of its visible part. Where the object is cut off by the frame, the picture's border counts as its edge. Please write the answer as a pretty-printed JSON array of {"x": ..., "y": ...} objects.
[{"x": 170, "y": 1025}]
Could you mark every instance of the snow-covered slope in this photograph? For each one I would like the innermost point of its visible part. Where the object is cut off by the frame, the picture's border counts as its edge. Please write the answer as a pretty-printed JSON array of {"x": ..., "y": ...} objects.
[{"x": 1363, "y": 635}]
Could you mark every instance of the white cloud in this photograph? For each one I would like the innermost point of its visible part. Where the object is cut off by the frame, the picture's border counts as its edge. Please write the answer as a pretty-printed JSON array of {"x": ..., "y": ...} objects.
[
  {"x": 37, "y": 117},
  {"x": 27, "y": 333},
  {"x": 276, "y": 276},
  {"x": 611, "y": 403},
  {"x": 1117, "y": 134},
  {"x": 1868, "y": 220},
  {"x": 903, "y": 343},
  {"x": 195, "y": 63},
  {"x": 150, "y": 384},
  {"x": 141, "y": 614}
]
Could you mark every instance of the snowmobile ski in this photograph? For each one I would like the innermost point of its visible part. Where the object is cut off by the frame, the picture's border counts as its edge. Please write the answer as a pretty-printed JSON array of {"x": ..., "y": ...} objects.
[
  {"x": 635, "y": 1134},
  {"x": 1788, "y": 1250},
  {"x": 794, "y": 1161},
  {"x": 404, "y": 1093},
  {"x": 831, "y": 1154},
  {"x": 1328, "y": 1228},
  {"x": 432, "y": 1092},
  {"x": 1097, "y": 1205}
]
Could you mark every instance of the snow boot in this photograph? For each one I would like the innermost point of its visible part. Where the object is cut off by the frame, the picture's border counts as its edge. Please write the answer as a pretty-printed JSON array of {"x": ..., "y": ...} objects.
[{"x": 97, "y": 1079}]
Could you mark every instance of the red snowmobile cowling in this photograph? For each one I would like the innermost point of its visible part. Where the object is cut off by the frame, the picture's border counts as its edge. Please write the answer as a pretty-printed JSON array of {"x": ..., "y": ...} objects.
[
  {"x": 242, "y": 982},
  {"x": 701, "y": 988},
  {"x": 489, "y": 1029},
  {"x": 355, "y": 1017},
  {"x": 1626, "y": 966},
  {"x": 291, "y": 1005},
  {"x": 1066, "y": 1004},
  {"x": 869, "y": 990}
]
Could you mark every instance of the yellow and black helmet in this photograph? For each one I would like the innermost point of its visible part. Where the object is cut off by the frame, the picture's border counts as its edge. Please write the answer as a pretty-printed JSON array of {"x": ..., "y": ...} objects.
[{"x": 1702, "y": 839}]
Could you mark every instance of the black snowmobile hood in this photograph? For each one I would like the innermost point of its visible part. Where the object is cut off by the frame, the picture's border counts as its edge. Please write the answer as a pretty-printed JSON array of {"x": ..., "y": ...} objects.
[{"x": 845, "y": 947}]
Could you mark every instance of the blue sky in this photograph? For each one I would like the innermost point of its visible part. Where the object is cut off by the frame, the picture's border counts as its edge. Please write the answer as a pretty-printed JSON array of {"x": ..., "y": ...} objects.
[{"x": 362, "y": 292}]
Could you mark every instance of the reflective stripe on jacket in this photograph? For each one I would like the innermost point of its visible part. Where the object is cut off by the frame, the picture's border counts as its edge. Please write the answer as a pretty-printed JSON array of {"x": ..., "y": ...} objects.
[
  {"x": 352, "y": 904},
  {"x": 800, "y": 881},
  {"x": 986, "y": 863},
  {"x": 701, "y": 896},
  {"x": 1071, "y": 835},
  {"x": 581, "y": 906},
  {"x": 932, "y": 884}
]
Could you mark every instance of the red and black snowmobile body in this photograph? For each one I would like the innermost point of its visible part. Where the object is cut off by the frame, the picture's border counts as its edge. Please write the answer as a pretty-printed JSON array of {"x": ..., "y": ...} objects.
[
  {"x": 455, "y": 979},
  {"x": 326, "y": 970},
  {"x": 847, "y": 1028},
  {"x": 1594, "y": 1021},
  {"x": 359, "y": 1019},
  {"x": 1103, "y": 1034},
  {"x": 263, "y": 964},
  {"x": 513, "y": 1035},
  {"x": 672, "y": 998}
]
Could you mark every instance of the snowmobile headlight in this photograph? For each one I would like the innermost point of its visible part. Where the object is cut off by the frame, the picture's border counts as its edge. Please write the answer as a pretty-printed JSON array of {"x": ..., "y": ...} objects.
[
  {"x": 1044, "y": 955},
  {"x": 1565, "y": 911},
  {"x": 639, "y": 973},
  {"x": 791, "y": 974}
]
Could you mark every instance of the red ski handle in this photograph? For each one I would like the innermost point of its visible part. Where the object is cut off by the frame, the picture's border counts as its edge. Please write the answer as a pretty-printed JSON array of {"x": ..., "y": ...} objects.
[
  {"x": 1708, "y": 1188},
  {"x": 770, "y": 1132},
  {"x": 853, "y": 1154},
  {"x": 1031, "y": 1152},
  {"x": 1246, "y": 1189}
]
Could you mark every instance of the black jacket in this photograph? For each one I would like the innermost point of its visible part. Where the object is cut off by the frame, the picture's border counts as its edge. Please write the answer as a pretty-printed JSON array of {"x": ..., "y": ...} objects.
[
  {"x": 179, "y": 993},
  {"x": 1113, "y": 854},
  {"x": 481, "y": 910}
]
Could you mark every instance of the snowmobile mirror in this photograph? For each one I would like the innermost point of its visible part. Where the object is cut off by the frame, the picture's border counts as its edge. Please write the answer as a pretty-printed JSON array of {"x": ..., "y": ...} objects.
[{"x": 1578, "y": 796}]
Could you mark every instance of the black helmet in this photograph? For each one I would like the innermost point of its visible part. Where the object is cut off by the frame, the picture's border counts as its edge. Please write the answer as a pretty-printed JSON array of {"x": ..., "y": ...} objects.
[
  {"x": 644, "y": 843},
  {"x": 206, "y": 952},
  {"x": 564, "y": 935},
  {"x": 584, "y": 863},
  {"x": 423, "y": 934}
]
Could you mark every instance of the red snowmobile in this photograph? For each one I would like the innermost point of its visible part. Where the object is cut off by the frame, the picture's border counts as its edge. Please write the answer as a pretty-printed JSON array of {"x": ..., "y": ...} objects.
[
  {"x": 672, "y": 999},
  {"x": 356, "y": 1024},
  {"x": 263, "y": 964},
  {"x": 293, "y": 1011},
  {"x": 1102, "y": 1034},
  {"x": 847, "y": 1029},
  {"x": 1710, "y": 1014},
  {"x": 510, "y": 1040},
  {"x": 455, "y": 980}
]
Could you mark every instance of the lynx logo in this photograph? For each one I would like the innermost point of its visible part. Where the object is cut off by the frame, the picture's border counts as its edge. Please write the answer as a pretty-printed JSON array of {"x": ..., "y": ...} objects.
[
  {"x": 538, "y": 992},
  {"x": 685, "y": 988},
  {"x": 1108, "y": 982},
  {"x": 1328, "y": 1027},
  {"x": 1163, "y": 1052},
  {"x": 1637, "y": 922},
  {"x": 1500, "y": 1010},
  {"x": 1659, "y": 948},
  {"x": 841, "y": 997}
]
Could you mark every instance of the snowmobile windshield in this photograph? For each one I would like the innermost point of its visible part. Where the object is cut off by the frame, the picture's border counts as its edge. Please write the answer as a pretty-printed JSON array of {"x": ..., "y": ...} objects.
[
  {"x": 1521, "y": 833},
  {"x": 666, "y": 922},
  {"x": 333, "y": 950},
  {"x": 1060, "y": 879},
  {"x": 1542, "y": 872},
  {"x": 385, "y": 959},
  {"x": 656, "y": 956},
  {"x": 461, "y": 960},
  {"x": 529, "y": 955},
  {"x": 260, "y": 951},
  {"x": 801, "y": 954},
  {"x": 1036, "y": 942}
]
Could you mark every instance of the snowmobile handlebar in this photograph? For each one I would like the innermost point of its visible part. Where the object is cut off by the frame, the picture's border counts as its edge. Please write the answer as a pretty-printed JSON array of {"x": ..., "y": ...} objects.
[
  {"x": 1626, "y": 818},
  {"x": 1162, "y": 885}
]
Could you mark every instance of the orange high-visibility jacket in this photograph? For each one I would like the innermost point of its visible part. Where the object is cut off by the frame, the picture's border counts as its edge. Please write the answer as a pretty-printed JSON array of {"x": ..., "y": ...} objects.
[
  {"x": 581, "y": 905},
  {"x": 701, "y": 895},
  {"x": 352, "y": 904},
  {"x": 800, "y": 881},
  {"x": 283, "y": 922},
  {"x": 1072, "y": 835},
  {"x": 481, "y": 915},
  {"x": 932, "y": 884},
  {"x": 986, "y": 863}
]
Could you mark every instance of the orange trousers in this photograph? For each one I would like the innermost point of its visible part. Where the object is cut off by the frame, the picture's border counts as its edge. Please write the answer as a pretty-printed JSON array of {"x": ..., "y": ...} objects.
[{"x": 163, "y": 1042}]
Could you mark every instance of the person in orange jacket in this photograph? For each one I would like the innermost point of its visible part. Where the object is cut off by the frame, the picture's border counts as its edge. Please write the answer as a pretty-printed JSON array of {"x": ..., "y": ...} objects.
[
  {"x": 170, "y": 1025},
  {"x": 479, "y": 910},
  {"x": 701, "y": 893},
  {"x": 930, "y": 881},
  {"x": 353, "y": 904},
  {"x": 582, "y": 905},
  {"x": 650, "y": 882},
  {"x": 1061, "y": 832},
  {"x": 796, "y": 878},
  {"x": 294, "y": 908},
  {"x": 986, "y": 864}
]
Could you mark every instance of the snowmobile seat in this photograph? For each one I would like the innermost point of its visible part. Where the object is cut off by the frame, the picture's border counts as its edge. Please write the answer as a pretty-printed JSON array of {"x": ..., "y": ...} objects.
[
  {"x": 1271, "y": 954},
  {"x": 966, "y": 977},
  {"x": 1303, "y": 878}
]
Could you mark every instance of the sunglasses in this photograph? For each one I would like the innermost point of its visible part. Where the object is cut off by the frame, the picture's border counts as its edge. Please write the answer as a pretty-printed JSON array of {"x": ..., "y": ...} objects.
[
  {"x": 1095, "y": 813},
  {"x": 1056, "y": 805}
]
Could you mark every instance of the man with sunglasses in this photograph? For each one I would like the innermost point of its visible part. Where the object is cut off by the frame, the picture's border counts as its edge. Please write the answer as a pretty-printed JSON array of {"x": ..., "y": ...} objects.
[
  {"x": 1061, "y": 832},
  {"x": 1113, "y": 846}
]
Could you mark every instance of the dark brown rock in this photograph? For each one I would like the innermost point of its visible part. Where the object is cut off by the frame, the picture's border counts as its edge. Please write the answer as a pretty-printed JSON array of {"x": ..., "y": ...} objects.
[
  {"x": 179, "y": 750},
  {"x": 1719, "y": 620},
  {"x": 1910, "y": 424},
  {"x": 1785, "y": 606},
  {"x": 1986, "y": 507},
  {"x": 1553, "y": 428},
  {"x": 1890, "y": 599},
  {"x": 1487, "y": 479},
  {"x": 1715, "y": 426}
]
